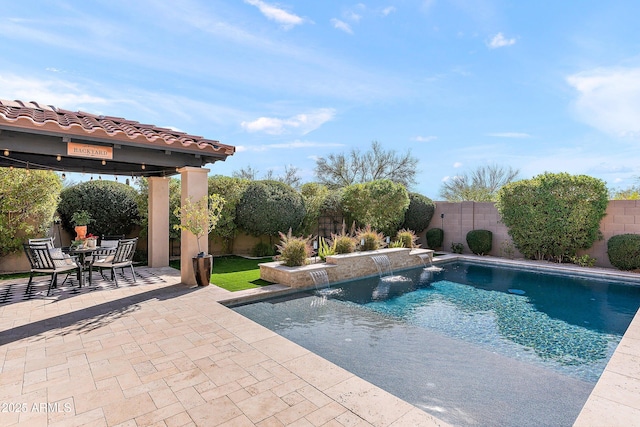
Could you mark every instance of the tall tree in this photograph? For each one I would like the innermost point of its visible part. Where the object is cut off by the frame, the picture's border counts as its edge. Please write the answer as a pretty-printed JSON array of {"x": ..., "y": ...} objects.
[
  {"x": 290, "y": 176},
  {"x": 341, "y": 170},
  {"x": 481, "y": 185}
]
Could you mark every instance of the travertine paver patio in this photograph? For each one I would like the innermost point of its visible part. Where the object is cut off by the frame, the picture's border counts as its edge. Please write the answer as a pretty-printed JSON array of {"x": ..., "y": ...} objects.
[{"x": 164, "y": 354}]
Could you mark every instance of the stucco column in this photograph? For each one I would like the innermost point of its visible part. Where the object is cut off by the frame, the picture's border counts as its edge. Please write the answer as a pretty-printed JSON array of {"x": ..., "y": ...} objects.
[
  {"x": 158, "y": 227},
  {"x": 193, "y": 184}
]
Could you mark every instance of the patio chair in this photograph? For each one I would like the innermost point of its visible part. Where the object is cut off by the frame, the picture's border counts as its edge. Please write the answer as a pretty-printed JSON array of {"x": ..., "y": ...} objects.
[
  {"x": 56, "y": 253},
  {"x": 110, "y": 241},
  {"x": 41, "y": 260},
  {"x": 120, "y": 258}
]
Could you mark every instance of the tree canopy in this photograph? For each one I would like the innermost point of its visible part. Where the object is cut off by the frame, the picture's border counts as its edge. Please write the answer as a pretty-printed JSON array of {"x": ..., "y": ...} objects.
[
  {"x": 341, "y": 170},
  {"x": 481, "y": 185}
]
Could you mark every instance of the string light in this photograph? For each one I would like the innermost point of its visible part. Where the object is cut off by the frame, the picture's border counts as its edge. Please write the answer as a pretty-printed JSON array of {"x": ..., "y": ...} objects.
[
  {"x": 100, "y": 177},
  {"x": 6, "y": 152},
  {"x": 143, "y": 167},
  {"x": 91, "y": 178},
  {"x": 64, "y": 175},
  {"x": 104, "y": 162},
  {"x": 58, "y": 157}
]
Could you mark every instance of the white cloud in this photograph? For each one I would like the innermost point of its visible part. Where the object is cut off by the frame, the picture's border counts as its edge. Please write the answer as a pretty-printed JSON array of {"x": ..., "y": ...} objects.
[
  {"x": 288, "y": 145},
  {"x": 609, "y": 99},
  {"x": 500, "y": 41},
  {"x": 341, "y": 25},
  {"x": 424, "y": 138},
  {"x": 388, "y": 10},
  {"x": 301, "y": 123},
  {"x": 446, "y": 178},
  {"x": 281, "y": 16},
  {"x": 457, "y": 165},
  {"x": 509, "y": 134}
]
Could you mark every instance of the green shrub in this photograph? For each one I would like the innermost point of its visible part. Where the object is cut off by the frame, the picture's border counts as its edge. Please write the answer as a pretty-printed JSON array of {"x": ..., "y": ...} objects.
[
  {"x": 112, "y": 205},
  {"x": 28, "y": 201},
  {"x": 585, "y": 260},
  {"x": 408, "y": 238},
  {"x": 552, "y": 216},
  {"x": 380, "y": 204},
  {"x": 369, "y": 239},
  {"x": 294, "y": 251},
  {"x": 262, "y": 249},
  {"x": 507, "y": 249},
  {"x": 435, "y": 237},
  {"x": 396, "y": 244},
  {"x": 457, "y": 248},
  {"x": 268, "y": 207},
  {"x": 624, "y": 251},
  {"x": 231, "y": 189},
  {"x": 479, "y": 241},
  {"x": 419, "y": 213}
]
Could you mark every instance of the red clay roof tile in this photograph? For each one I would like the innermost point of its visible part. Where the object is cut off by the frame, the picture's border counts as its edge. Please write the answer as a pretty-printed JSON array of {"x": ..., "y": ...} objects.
[{"x": 31, "y": 115}]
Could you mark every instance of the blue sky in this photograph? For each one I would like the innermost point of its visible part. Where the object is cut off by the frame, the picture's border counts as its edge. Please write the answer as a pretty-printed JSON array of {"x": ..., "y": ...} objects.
[{"x": 538, "y": 86}]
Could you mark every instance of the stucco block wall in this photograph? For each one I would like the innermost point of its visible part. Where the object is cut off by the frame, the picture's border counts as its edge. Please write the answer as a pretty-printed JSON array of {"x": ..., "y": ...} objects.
[{"x": 622, "y": 216}]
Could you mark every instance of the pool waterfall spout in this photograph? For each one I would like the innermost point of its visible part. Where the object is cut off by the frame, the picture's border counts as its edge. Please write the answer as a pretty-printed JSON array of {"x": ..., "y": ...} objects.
[
  {"x": 430, "y": 267},
  {"x": 383, "y": 264}
]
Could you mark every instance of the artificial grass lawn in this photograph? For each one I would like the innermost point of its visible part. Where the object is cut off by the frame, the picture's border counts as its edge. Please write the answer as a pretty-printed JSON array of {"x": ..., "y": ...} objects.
[{"x": 234, "y": 273}]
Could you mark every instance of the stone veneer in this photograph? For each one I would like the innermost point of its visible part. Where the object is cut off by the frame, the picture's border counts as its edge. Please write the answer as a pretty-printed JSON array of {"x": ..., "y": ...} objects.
[{"x": 342, "y": 267}]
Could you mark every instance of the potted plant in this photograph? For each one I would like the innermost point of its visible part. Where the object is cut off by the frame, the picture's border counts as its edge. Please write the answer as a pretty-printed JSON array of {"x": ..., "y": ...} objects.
[
  {"x": 80, "y": 220},
  {"x": 199, "y": 218}
]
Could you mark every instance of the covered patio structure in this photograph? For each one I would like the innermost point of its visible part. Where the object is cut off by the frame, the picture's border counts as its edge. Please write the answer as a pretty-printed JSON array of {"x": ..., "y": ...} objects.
[{"x": 36, "y": 136}]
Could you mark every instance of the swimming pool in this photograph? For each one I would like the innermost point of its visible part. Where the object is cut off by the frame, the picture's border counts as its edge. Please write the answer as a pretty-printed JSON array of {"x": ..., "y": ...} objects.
[{"x": 473, "y": 344}]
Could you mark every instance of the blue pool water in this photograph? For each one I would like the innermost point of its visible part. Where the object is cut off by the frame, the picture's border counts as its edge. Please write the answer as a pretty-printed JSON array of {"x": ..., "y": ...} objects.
[{"x": 472, "y": 344}]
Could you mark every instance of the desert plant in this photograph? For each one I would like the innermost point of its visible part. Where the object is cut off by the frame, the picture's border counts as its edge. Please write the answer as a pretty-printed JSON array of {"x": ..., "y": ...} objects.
[
  {"x": 369, "y": 239},
  {"x": 200, "y": 217},
  {"x": 624, "y": 251},
  {"x": 419, "y": 213},
  {"x": 262, "y": 249},
  {"x": 479, "y": 241},
  {"x": 457, "y": 248},
  {"x": 344, "y": 242},
  {"x": 325, "y": 248},
  {"x": 294, "y": 251},
  {"x": 435, "y": 237},
  {"x": 396, "y": 244},
  {"x": 408, "y": 238}
]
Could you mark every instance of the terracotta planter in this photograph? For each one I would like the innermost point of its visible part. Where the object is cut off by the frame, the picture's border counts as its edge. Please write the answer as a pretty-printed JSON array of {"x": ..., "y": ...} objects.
[
  {"x": 202, "y": 267},
  {"x": 81, "y": 231}
]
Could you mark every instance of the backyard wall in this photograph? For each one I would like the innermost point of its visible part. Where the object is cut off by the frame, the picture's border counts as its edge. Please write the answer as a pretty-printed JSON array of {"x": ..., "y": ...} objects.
[{"x": 622, "y": 216}]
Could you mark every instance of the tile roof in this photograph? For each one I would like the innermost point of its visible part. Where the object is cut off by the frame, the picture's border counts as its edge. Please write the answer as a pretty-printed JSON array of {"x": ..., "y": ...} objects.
[{"x": 47, "y": 118}]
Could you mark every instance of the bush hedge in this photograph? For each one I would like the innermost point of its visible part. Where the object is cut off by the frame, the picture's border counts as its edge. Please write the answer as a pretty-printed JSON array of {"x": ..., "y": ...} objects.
[
  {"x": 435, "y": 237},
  {"x": 479, "y": 241},
  {"x": 112, "y": 205},
  {"x": 269, "y": 207},
  {"x": 419, "y": 213},
  {"x": 624, "y": 251}
]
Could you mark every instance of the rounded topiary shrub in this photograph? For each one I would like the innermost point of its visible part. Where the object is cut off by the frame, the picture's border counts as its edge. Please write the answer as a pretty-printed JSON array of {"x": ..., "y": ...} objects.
[
  {"x": 624, "y": 251},
  {"x": 419, "y": 213},
  {"x": 112, "y": 206},
  {"x": 435, "y": 237},
  {"x": 269, "y": 207},
  {"x": 479, "y": 241}
]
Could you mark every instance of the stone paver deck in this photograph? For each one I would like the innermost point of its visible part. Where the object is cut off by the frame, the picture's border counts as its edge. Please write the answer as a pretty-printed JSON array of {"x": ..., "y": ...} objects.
[{"x": 165, "y": 354}]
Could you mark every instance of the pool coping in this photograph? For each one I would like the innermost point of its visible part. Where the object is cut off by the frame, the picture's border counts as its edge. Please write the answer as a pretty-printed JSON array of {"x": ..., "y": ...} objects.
[{"x": 614, "y": 400}]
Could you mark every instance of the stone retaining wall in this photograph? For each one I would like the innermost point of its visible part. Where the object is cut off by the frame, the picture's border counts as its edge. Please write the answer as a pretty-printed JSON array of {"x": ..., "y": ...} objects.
[{"x": 342, "y": 267}]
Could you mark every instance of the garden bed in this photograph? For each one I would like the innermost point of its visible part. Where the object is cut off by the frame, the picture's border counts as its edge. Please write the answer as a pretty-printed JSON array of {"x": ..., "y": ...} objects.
[{"x": 342, "y": 267}]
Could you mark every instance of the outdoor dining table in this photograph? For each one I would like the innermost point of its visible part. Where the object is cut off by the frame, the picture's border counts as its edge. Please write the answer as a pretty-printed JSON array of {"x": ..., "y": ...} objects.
[{"x": 82, "y": 253}]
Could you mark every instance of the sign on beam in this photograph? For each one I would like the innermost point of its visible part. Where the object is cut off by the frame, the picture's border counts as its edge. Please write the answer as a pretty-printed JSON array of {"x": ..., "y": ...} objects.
[{"x": 89, "y": 151}]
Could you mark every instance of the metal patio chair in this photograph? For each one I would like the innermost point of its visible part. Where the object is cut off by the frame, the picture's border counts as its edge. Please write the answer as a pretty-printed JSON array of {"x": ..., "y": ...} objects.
[
  {"x": 41, "y": 261},
  {"x": 120, "y": 258}
]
